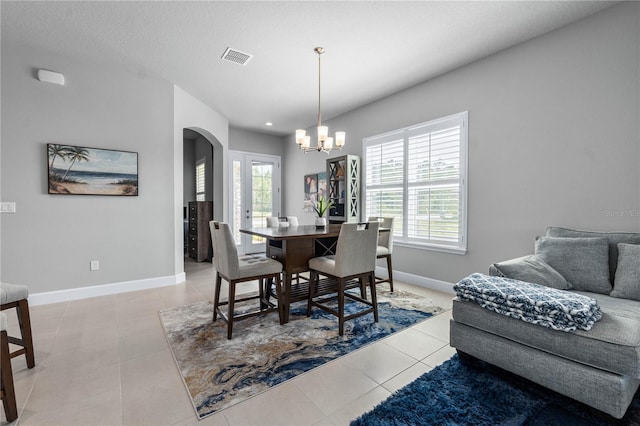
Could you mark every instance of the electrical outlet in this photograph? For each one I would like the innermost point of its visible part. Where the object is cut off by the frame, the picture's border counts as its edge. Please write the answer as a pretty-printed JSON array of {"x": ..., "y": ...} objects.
[{"x": 94, "y": 265}]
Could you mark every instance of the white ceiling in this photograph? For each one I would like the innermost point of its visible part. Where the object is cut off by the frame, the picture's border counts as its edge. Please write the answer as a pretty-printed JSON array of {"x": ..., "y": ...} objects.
[{"x": 373, "y": 49}]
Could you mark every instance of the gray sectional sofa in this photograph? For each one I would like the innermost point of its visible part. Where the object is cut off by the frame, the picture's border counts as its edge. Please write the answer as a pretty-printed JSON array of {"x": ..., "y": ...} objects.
[{"x": 600, "y": 367}]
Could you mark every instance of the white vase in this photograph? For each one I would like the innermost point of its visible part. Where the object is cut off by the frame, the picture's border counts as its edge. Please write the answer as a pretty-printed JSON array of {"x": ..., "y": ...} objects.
[{"x": 321, "y": 222}]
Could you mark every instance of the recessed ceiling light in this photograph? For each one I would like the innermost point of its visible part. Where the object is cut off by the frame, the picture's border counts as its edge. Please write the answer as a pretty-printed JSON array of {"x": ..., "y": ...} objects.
[{"x": 268, "y": 123}]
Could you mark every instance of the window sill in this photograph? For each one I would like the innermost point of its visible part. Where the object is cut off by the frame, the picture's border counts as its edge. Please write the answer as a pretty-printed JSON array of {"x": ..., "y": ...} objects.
[{"x": 432, "y": 247}]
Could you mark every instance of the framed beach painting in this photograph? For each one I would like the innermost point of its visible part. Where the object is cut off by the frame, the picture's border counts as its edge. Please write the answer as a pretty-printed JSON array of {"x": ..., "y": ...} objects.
[{"x": 79, "y": 170}]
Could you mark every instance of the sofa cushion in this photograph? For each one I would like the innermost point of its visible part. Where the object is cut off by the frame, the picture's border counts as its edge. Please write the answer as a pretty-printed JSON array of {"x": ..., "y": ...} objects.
[
  {"x": 583, "y": 262},
  {"x": 532, "y": 269},
  {"x": 627, "y": 280},
  {"x": 613, "y": 344},
  {"x": 614, "y": 238}
]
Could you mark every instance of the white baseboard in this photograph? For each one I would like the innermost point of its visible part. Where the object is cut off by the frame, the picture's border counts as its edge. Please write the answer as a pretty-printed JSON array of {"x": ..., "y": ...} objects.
[
  {"x": 66, "y": 295},
  {"x": 443, "y": 286},
  {"x": 103, "y": 290}
]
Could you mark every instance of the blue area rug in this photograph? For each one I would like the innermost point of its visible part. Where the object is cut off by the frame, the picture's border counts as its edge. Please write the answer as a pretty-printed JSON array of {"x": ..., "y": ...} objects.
[
  {"x": 476, "y": 393},
  {"x": 219, "y": 372}
]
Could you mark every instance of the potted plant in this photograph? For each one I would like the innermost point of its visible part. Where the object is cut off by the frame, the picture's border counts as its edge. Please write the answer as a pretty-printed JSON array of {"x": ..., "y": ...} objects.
[{"x": 321, "y": 206}]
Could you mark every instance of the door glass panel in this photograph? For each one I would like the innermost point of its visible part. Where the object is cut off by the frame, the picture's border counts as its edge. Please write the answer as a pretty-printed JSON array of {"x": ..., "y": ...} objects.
[
  {"x": 254, "y": 181},
  {"x": 236, "y": 197},
  {"x": 262, "y": 195},
  {"x": 262, "y": 192}
]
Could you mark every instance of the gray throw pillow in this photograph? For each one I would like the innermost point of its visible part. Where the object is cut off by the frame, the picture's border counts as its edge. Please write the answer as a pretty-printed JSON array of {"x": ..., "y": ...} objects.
[
  {"x": 532, "y": 269},
  {"x": 613, "y": 237},
  {"x": 627, "y": 282},
  {"x": 583, "y": 262}
]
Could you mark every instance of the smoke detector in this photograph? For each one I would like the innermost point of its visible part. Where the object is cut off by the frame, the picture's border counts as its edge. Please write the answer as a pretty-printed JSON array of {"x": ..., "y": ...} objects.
[{"x": 236, "y": 56}]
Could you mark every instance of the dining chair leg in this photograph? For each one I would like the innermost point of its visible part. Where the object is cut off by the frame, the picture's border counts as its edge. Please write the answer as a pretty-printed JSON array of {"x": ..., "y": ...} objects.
[
  {"x": 278, "y": 281},
  {"x": 231, "y": 306},
  {"x": 216, "y": 296},
  {"x": 313, "y": 276},
  {"x": 8, "y": 390},
  {"x": 268, "y": 283},
  {"x": 390, "y": 272},
  {"x": 374, "y": 297},
  {"x": 341, "y": 306},
  {"x": 261, "y": 290},
  {"x": 286, "y": 294},
  {"x": 25, "y": 330},
  {"x": 363, "y": 287}
]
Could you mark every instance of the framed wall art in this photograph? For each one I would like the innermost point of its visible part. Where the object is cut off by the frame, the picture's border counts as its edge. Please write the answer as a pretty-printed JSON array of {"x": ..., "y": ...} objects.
[
  {"x": 322, "y": 184},
  {"x": 310, "y": 192},
  {"x": 315, "y": 187},
  {"x": 77, "y": 170}
]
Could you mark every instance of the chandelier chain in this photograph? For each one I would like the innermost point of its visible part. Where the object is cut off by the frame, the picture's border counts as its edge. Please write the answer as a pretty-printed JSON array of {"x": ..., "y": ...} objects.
[{"x": 319, "y": 82}]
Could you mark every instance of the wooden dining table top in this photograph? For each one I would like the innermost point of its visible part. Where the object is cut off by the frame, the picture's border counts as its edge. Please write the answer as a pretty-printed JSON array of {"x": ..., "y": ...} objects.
[
  {"x": 292, "y": 232},
  {"x": 302, "y": 231}
]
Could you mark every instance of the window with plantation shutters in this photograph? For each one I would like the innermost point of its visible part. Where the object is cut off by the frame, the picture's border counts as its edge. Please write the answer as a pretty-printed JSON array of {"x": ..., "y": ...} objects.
[
  {"x": 418, "y": 175},
  {"x": 200, "y": 177}
]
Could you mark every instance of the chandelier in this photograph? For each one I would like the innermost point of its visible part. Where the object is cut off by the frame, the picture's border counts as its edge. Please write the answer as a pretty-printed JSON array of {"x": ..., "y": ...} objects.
[{"x": 325, "y": 143}]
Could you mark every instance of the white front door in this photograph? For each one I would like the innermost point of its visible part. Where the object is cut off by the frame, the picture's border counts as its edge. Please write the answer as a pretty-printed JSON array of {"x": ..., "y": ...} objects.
[{"x": 255, "y": 195}]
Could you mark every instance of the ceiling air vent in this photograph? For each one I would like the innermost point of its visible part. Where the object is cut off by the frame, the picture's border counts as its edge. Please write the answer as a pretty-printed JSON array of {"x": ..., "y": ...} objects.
[{"x": 236, "y": 56}]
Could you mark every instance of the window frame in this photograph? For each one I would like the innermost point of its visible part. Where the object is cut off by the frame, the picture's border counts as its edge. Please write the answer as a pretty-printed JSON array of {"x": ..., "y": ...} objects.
[
  {"x": 405, "y": 133},
  {"x": 201, "y": 195}
]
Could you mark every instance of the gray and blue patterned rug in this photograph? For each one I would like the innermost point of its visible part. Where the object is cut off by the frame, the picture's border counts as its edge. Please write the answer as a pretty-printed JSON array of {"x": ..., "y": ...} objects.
[
  {"x": 219, "y": 373},
  {"x": 476, "y": 393}
]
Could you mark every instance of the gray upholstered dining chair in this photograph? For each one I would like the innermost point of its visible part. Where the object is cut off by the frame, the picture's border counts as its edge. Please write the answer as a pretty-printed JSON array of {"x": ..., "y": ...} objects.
[
  {"x": 236, "y": 270},
  {"x": 353, "y": 263},
  {"x": 15, "y": 296},
  {"x": 274, "y": 222},
  {"x": 385, "y": 247},
  {"x": 7, "y": 391},
  {"x": 293, "y": 220}
]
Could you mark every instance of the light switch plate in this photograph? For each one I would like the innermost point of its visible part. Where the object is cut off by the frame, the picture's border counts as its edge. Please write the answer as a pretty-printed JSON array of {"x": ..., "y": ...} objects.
[{"x": 8, "y": 207}]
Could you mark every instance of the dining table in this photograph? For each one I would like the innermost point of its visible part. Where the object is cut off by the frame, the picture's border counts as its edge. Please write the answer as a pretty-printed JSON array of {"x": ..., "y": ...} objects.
[{"x": 293, "y": 246}]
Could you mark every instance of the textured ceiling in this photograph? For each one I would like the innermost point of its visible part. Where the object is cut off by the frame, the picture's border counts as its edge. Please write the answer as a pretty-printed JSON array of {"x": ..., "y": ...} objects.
[{"x": 373, "y": 49}]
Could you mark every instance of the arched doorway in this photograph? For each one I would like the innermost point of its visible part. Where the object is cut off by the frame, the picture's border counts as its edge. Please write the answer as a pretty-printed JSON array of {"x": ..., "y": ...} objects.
[{"x": 202, "y": 179}]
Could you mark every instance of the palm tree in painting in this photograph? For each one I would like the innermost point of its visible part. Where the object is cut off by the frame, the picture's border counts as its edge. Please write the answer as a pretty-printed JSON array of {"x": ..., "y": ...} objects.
[
  {"x": 76, "y": 153},
  {"x": 56, "y": 150}
]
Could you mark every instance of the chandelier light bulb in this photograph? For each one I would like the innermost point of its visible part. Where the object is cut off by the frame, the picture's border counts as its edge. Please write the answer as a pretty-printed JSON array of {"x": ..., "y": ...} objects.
[
  {"x": 323, "y": 132},
  {"x": 328, "y": 143},
  {"x": 300, "y": 134}
]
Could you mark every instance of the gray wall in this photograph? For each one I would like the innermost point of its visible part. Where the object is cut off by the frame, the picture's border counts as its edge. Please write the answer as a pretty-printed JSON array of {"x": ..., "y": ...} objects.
[
  {"x": 554, "y": 139},
  {"x": 188, "y": 163},
  {"x": 259, "y": 143},
  {"x": 49, "y": 242}
]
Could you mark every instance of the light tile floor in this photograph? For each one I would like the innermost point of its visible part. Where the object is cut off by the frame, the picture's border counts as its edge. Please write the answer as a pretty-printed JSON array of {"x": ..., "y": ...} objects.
[{"x": 105, "y": 361}]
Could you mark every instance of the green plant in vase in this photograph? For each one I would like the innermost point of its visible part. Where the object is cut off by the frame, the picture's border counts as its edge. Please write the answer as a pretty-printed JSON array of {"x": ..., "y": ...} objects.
[{"x": 321, "y": 207}]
